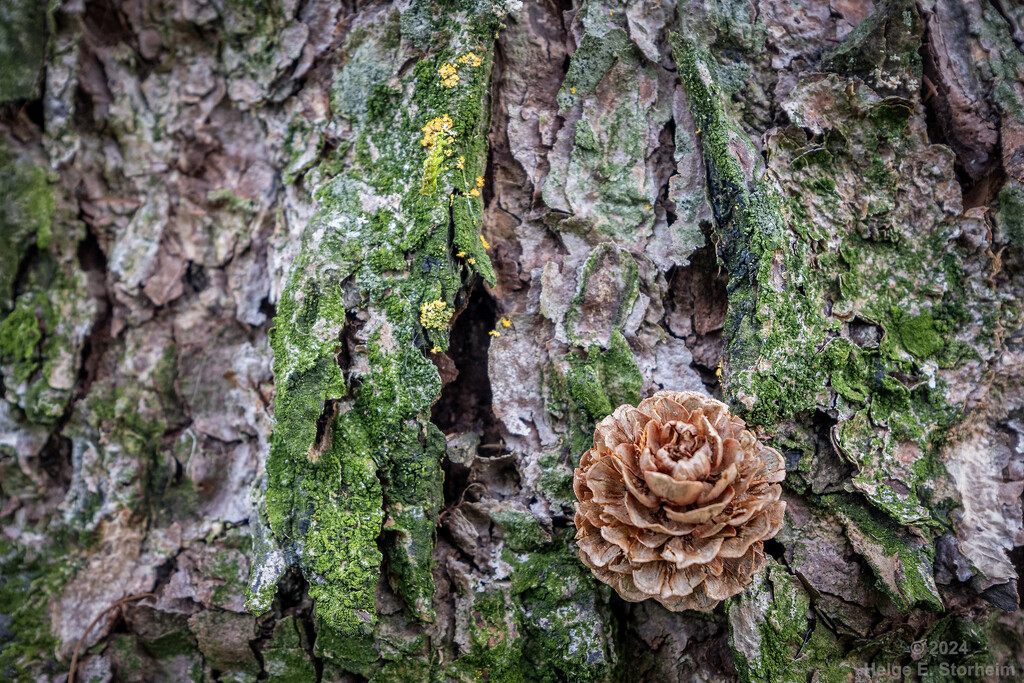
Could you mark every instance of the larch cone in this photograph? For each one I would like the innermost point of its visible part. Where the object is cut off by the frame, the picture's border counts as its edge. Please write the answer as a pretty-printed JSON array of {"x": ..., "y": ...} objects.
[{"x": 676, "y": 499}]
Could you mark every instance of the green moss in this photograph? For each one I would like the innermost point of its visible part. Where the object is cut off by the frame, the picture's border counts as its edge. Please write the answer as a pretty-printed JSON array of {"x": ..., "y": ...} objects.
[
  {"x": 382, "y": 101},
  {"x": 495, "y": 648},
  {"x": 19, "y": 337},
  {"x": 600, "y": 380},
  {"x": 408, "y": 670},
  {"x": 882, "y": 49},
  {"x": 354, "y": 654},
  {"x": 773, "y": 638},
  {"x": 224, "y": 565},
  {"x": 433, "y": 164},
  {"x": 329, "y": 491},
  {"x": 891, "y": 117},
  {"x": 289, "y": 666},
  {"x": 621, "y": 376},
  {"x": 522, "y": 531},
  {"x": 22, "y": 47},
  {"x": 1011, "y": 214},
  {"x": 586, "y": 387},
  {"x": 28, "y": 581},
  {"x": 918, "y": 334},
  {"x": 414, "y": 496},
  {"x": 903, "y": 568},
  {"x": 594, "y": 57},
  {"x": 956, "y": 650},
  {"x": 285, "y": 656},
  {"x": 556, "y": 478},
  {"x": 344, "y": 521},
  {"x": 232, "y": 201},
  {"x": 171, "y": 644},
  {"x": 126, "y": 657},
  {"x": 595, "y": 382},
  {"x": 26, "y": 217},
  {"x": 564, "y": 620}
]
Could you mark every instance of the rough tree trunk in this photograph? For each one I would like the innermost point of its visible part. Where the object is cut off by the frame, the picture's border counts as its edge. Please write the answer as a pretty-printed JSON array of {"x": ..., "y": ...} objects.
[{"x": 309, "y": 308}]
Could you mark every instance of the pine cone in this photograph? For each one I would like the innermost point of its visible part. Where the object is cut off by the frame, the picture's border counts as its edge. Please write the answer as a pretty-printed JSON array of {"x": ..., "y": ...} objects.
[{"x": 675, "y": 500}]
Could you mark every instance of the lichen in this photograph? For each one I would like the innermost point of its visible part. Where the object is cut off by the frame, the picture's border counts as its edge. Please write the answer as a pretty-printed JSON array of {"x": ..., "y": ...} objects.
[
  {"x": 392, "y": 217},
  {"x": 340, "y": 526},
  {"x": 434, "y": 315}
]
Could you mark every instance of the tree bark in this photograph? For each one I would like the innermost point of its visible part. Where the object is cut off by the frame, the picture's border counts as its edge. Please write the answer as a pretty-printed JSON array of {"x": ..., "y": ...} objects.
[{"x": 308, "y": 310}]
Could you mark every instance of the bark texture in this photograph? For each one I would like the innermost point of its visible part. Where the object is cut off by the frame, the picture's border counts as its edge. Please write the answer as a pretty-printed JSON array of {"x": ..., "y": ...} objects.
[{"x": 309, "y": 308}]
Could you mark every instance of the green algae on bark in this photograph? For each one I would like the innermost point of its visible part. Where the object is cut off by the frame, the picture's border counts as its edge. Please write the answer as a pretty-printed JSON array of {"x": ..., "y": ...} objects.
[
  {"x": 27, "y": 581},
  {"x": 773, "y": 638},
  {"x": 22, "y": 48},
  {"x": 45, "y": 315},
  {"x": 855, "y": 214},
  {"x": 354, "y": 459},
  {"x": 783, "y": 352}
]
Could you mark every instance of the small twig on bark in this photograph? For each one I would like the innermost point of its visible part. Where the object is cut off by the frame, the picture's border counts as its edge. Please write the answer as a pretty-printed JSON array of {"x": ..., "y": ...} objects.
[{"x": 78, "y": 645}]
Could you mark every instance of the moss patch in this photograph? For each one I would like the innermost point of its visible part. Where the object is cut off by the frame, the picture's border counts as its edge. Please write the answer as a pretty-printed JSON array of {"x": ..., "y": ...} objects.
[
  {"x": 27, "y": 583},
  {"x": 773, "y": 637},
  {"x": 26, "y": 216},
  {"x": 22, "y": 47},
  {"x": 396, "y": 239}
]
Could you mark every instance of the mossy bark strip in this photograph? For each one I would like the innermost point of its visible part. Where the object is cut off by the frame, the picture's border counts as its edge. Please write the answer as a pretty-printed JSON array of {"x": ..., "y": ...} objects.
[{"x": 383, "y": 265}]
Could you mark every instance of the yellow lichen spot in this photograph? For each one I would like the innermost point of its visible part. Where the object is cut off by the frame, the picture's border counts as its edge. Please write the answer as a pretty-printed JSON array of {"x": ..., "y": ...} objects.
[
  {"x": 461, "y": 163},
  {"x": 505, "y": 322},
  {"x": 434, "y": 315},
  {"x": 441, "y": 125},
  {"x": 451, "y": 199},
  {"x": 475, "y": 192},
  {"x": 436, "y": 349},
  {"x": 494, "y": 333},
  {"x": 471, "y": 261},
  {"x": 648, "y": 207},
  {"x": 572, "y": 90},
  {"x": 697, "y": 132},
  {"x": 470, "y": 58},
  {"x": 718, "y": 370},
  {"x": 484, "y": 242},
  {"x": 449, "y": 77},
  {"x": 461, "y": 254}
]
